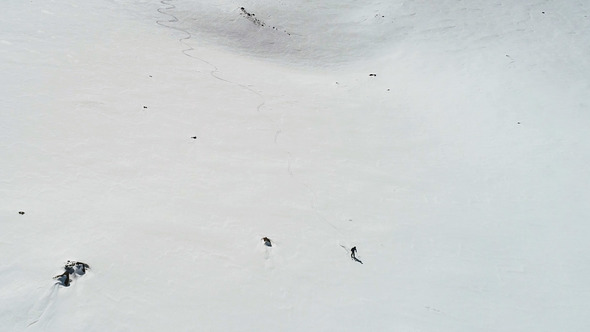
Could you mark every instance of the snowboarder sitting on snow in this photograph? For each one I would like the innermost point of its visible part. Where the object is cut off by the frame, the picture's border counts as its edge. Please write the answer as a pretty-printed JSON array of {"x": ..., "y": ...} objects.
[
  {"x": 63, "y": 279},
  {"x": 76, "y": 267},
  {"x": 353, "y": 255}
]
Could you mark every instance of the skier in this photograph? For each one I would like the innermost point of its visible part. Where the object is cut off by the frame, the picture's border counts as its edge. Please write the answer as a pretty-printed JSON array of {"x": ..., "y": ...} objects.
[
  {"x": 267, "y": 241},
  {"x": 353, "y": 255}
]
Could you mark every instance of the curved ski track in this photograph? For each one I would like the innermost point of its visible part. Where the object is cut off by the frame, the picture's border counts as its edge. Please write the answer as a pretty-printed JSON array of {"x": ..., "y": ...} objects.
[{"x": 214, "y": 73}]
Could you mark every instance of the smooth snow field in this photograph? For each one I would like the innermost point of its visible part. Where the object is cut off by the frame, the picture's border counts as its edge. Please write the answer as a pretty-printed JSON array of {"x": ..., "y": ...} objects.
[{"x": 160, "y": 141}]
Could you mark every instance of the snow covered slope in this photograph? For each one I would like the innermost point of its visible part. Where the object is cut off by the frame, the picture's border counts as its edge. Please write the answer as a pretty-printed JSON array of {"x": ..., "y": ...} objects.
[{"x": 160, "y": 141}]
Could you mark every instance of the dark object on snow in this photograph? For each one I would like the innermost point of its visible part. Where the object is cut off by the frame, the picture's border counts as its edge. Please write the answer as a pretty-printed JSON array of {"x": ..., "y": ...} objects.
[
  {"x": 251, "y": 17},
  {"x": 21, "y": 212},
  {"x": 69, "y": 269},
  {"x": 194, "y": 137},
  {"x": 353, "y": 255},
  {"x": 63, "y": 279},
  {"x": 145, "y": 107},
  {"x": 267, "y": 241},
  {"x": 76, "y": 267},
  {"x": 372, "y": 74}
]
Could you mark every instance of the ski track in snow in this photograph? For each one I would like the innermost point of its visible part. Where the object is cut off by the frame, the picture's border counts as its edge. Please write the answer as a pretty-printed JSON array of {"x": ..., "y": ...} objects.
[
  {"x": 39, "y": 309},
  {"x": 186, "y": 51},
  {"x": 477, "y": 225},
  {"x": 214, "y": 72}
]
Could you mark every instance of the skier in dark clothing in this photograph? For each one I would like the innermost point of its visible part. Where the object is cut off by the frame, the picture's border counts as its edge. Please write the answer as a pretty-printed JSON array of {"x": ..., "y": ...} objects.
[{"x": 353, "y": 255}]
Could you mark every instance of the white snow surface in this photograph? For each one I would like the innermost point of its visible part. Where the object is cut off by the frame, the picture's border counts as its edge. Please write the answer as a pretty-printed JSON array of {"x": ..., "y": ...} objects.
[{"x": 459, "y": 171}]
